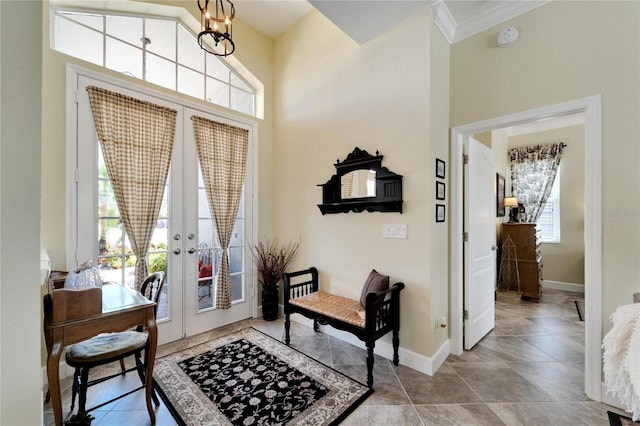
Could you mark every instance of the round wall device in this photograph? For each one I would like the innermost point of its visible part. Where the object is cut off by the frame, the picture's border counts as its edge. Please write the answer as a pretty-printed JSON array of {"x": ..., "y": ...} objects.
[{"x": 508, "y": 37}]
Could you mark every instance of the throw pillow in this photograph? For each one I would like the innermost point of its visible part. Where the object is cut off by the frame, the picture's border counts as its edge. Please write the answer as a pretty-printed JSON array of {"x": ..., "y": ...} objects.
[{"x": 374, "y": 282}]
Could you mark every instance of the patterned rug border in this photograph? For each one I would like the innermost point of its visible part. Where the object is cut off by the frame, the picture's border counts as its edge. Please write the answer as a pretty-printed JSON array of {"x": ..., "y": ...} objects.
[{"x": 235, "y": 335}]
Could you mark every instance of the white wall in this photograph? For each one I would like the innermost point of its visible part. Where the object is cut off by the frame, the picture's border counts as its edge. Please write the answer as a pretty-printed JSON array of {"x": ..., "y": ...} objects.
[
  {"x": 20, "y": 114},
  {"x": 332, "y": 95}
]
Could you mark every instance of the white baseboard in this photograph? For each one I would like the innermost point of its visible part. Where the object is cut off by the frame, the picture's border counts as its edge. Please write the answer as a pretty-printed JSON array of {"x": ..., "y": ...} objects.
[
  {"x": 384, "y": 348},
  {"x": 559, "y": 285}
]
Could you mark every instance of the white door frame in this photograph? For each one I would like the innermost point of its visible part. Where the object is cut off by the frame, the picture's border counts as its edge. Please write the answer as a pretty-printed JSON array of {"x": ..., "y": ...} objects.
[{"x": 591, "y": 108}]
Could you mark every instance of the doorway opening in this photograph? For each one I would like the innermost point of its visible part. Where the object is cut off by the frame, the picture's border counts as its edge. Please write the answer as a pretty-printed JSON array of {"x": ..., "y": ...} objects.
[{"x": 590, "y": 107}]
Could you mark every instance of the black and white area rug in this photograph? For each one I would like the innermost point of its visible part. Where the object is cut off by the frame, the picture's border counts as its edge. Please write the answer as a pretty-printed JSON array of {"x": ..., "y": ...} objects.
[{"x": 249, "y": 378}]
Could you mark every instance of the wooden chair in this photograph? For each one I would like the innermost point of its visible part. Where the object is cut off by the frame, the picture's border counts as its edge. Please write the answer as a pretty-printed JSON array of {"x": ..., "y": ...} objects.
[{"x": 110, "y": 347}]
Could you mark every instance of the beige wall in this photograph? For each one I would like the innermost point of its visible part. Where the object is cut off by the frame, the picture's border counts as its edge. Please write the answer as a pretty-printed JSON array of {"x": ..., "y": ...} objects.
[
  {"x": 332, "y": 95},
  {"x": 498, "y": 142},
  {"x": 20, "y": 132},
  {"x": 564, "y": 262},
  {"x": 570, "y": 50}
]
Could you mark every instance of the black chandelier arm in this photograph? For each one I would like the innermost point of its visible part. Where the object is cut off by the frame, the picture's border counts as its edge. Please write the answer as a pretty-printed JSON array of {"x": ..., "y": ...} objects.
[
  {"x": 203, "y": 10},
  {"x": 217, "y": 37}
]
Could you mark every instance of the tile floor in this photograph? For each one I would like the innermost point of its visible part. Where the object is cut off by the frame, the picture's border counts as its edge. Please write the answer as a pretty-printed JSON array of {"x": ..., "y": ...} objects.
[{"x": 528, "y": 371}]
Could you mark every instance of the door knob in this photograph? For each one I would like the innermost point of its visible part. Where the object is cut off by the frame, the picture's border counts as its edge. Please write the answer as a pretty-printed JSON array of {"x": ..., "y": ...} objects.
[
  {"x": 493, "y": 248},
  {"x": 176, "y": 237},
  {"x": 177, "y": 251},
  {"x": 191, "y": 250}
]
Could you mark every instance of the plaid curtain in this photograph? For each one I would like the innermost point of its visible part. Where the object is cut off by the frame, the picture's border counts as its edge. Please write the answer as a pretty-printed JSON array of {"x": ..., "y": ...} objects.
[
  {"x": 222, "y": 151},
  {"x": 136, "y": 139},
  {"x": 533, "y": 170}
]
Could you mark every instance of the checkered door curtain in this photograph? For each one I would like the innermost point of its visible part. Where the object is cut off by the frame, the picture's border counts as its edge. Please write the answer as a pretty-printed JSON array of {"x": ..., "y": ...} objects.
[
  {"x": 137, "y": 140},
  {"x": 222, "y": 151},
  {"x": 533, "y": 170}
]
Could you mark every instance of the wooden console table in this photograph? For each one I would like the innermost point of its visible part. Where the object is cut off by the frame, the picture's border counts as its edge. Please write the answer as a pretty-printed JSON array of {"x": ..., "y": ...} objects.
[{"x": 122, "y": 308}]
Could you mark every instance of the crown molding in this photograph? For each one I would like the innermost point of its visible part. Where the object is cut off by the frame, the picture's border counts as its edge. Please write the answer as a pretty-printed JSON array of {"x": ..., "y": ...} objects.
[
  {"x": 444, "y": 21},
  {"x": 456, "y": 31}
]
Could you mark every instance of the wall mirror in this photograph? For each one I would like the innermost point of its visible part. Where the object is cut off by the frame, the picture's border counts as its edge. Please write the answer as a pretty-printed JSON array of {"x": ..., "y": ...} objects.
[
  {"x": 361, "y": 183},
  {"x": 358, "y": 184}
]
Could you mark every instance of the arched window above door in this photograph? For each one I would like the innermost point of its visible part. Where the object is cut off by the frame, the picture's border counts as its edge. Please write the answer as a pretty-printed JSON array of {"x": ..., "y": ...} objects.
[{"x": 162, "y": 51}]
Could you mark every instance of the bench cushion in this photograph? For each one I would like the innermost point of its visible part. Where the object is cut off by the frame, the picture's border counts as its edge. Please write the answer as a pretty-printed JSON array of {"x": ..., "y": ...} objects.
[{"x": 329, "y": 305}]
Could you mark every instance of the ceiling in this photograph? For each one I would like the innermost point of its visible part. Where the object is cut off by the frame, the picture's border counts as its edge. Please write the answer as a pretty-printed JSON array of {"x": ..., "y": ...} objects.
[{"x": 363, "y": 20}]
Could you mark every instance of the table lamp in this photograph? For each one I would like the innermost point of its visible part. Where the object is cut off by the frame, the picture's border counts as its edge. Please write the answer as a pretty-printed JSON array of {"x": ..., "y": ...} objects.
[{"x": 512, "y": 204}]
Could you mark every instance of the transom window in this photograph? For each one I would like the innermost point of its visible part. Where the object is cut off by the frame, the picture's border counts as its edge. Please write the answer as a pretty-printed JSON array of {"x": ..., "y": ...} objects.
[{"x": 160, "y": 51}]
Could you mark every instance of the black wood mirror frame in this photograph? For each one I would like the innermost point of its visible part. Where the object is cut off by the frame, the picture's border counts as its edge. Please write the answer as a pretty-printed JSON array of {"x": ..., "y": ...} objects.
[{"x": 388, "y": 186}]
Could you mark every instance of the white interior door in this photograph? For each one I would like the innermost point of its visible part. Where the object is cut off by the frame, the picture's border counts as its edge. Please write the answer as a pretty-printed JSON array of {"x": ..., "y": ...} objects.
[{"x": 480, "y": 245}]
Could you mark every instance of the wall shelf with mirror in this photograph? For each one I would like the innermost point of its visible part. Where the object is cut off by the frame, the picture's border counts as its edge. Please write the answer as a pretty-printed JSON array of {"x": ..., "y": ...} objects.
[{"x": 362, "y": 184}]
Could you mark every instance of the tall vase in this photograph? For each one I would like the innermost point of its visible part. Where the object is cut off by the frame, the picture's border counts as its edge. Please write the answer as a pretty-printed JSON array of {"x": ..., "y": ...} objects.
[{"x": 270, "y": 298}]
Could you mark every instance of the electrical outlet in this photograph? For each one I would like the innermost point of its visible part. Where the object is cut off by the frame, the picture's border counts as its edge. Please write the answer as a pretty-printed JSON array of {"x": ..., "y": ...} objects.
[{"x": 441, "y": 323}]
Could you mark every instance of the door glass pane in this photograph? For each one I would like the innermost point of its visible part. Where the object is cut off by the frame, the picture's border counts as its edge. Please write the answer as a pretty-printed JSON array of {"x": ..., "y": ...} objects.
[
  {"x": 102, "y": 166},
  {"x": 107, "y": 206},
  {"x": 206, "y": 274},
  {"x": 206, "y": 236},
  {"x": 161, "y": 71},
  {"x": 235, "y": 259},
  {"x": 158, "y": 255},
  {"x": 162, "y": 34},
  {"x": 240, "y": 214},
  {"x": 130, "y": 270},
  {"x": 237, "y": 289},
  {"x": 116, "y": 260},
  {"x": 237, "y": 237},
  {"x": 203, "y": 204},
  {"x": 124, "y": 58}
]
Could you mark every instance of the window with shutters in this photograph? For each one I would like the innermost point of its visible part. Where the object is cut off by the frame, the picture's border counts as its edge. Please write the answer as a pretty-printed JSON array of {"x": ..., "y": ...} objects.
[{"x": 548, "y": 224}]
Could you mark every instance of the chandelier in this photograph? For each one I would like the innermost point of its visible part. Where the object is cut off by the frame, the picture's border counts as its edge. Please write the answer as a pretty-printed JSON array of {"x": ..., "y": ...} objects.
[{"x": 216, "y": 27}]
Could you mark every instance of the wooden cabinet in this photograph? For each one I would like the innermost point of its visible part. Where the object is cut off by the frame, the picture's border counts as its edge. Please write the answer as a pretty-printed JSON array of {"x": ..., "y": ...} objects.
[{"x": 529, "y": 258}]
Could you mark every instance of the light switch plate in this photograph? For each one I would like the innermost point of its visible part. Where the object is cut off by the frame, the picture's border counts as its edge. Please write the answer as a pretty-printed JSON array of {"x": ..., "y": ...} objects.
[{"x": 394, "y": 231}]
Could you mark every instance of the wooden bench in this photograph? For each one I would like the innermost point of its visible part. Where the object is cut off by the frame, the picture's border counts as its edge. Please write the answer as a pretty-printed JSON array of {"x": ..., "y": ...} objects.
[{"x": 380, "y": 315}]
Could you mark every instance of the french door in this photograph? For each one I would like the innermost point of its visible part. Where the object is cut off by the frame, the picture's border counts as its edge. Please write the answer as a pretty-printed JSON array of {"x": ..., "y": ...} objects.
[{"x": 184, "y": 243}]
